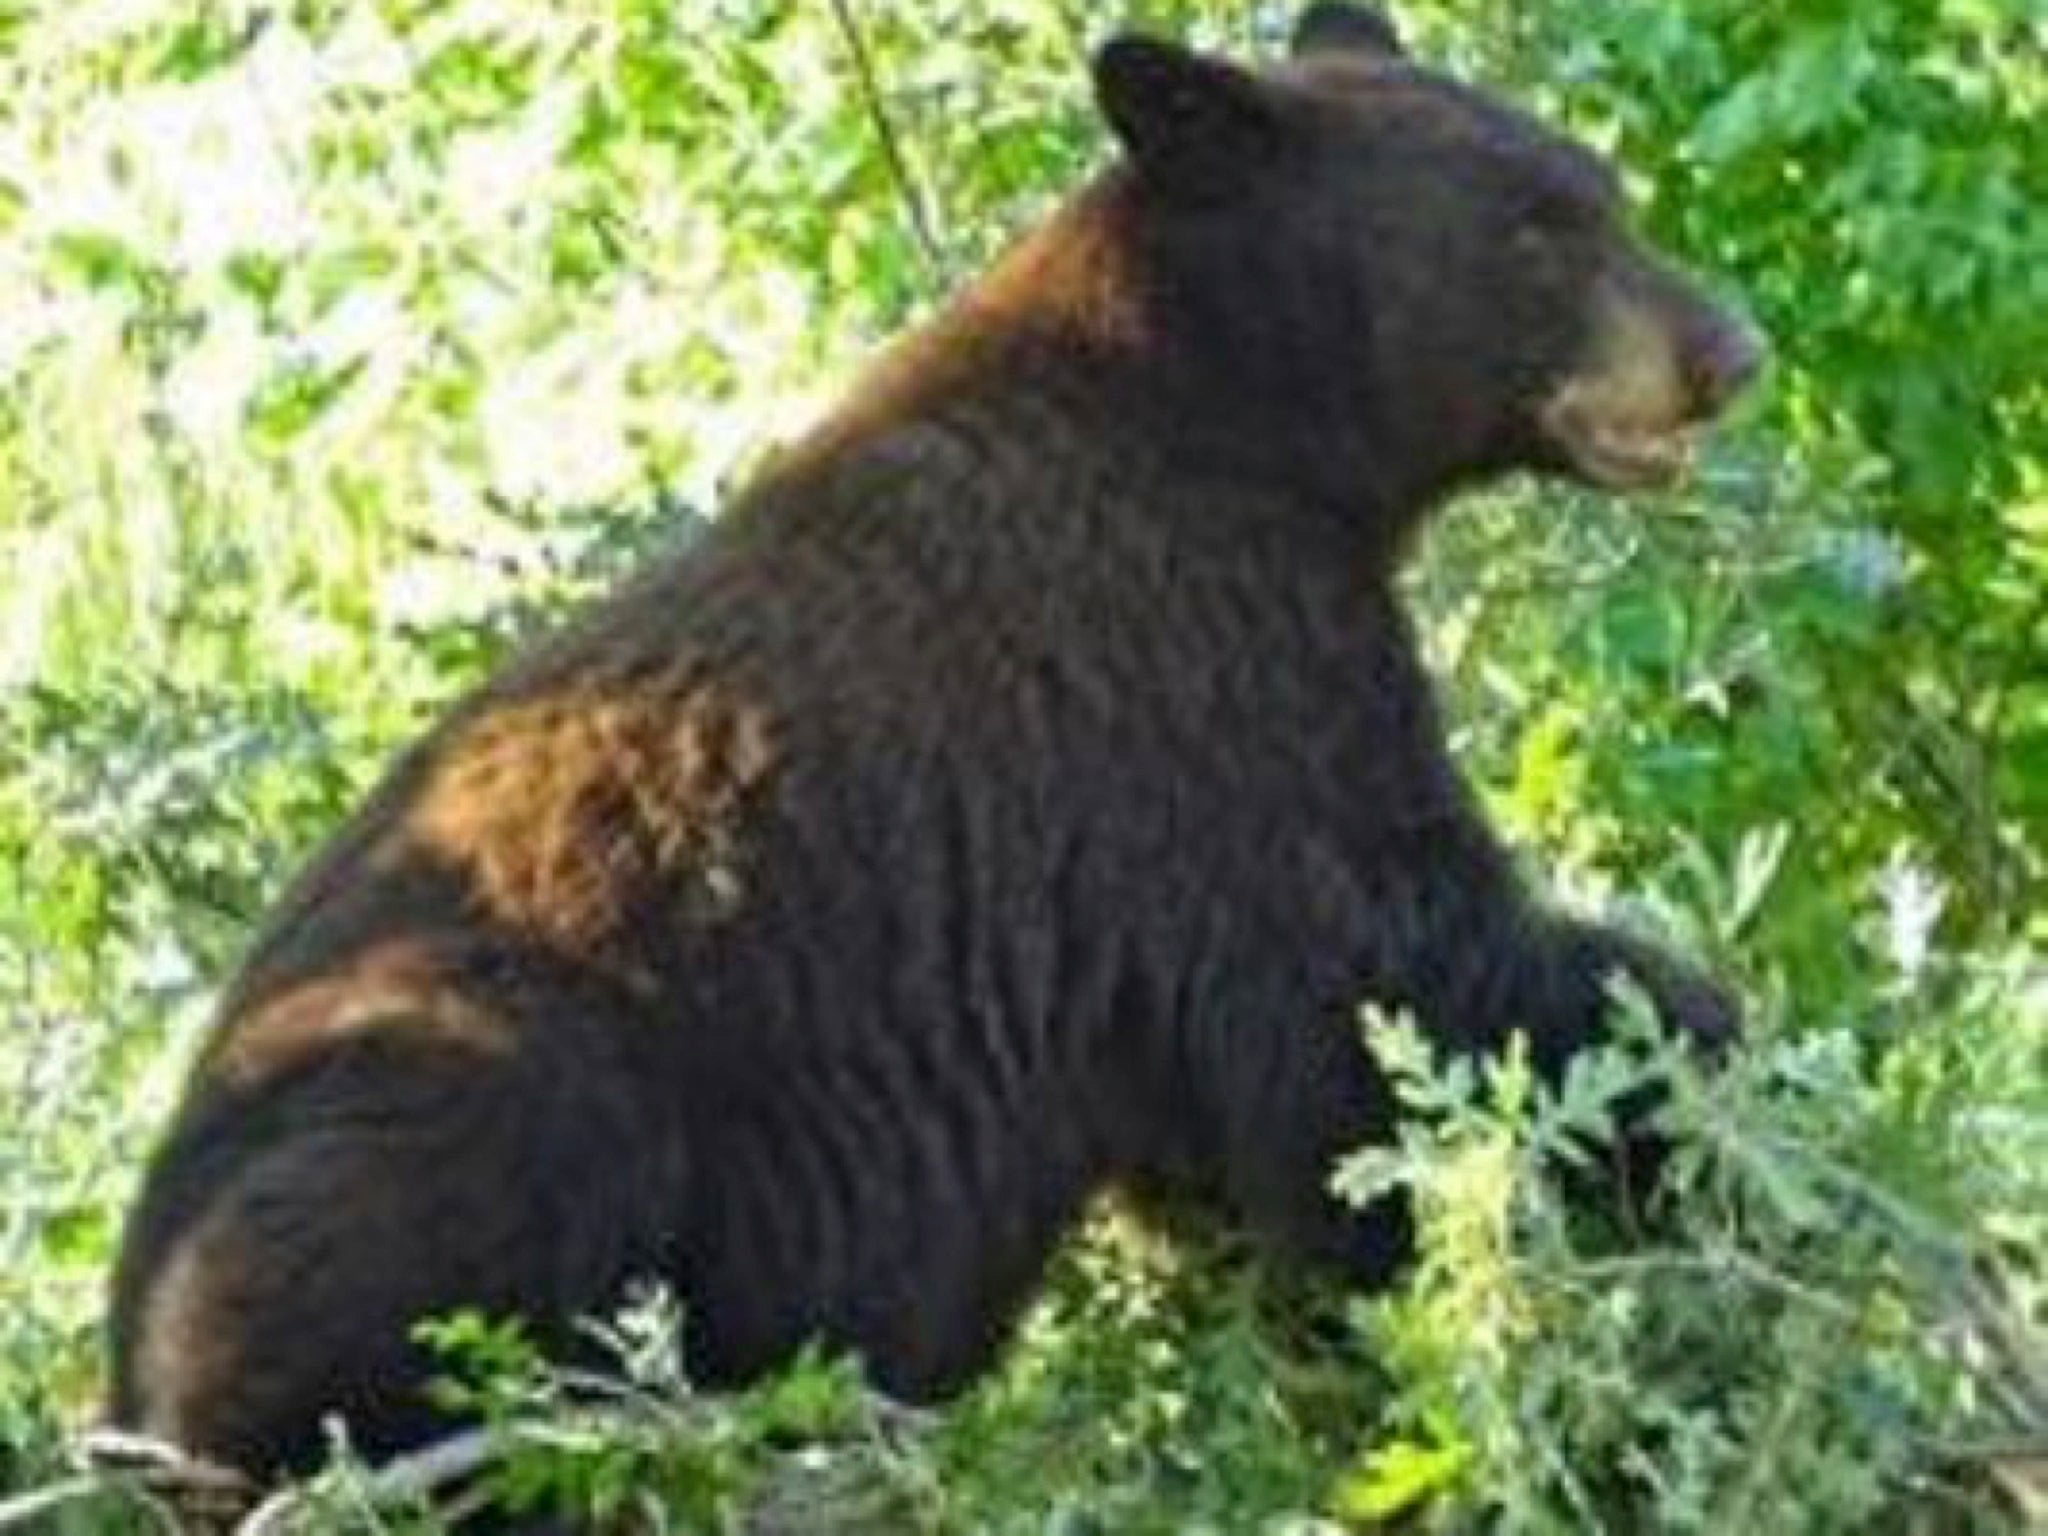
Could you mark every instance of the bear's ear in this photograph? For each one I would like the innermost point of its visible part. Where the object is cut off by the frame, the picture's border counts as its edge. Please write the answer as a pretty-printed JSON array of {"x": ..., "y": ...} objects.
[
  {"x": 1334, "y": 28},
  {"x": 1195, "y": 121}
]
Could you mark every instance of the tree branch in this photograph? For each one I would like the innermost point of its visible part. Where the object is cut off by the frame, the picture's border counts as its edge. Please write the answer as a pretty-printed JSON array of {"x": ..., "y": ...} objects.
[{"x": 917, "y": 213}]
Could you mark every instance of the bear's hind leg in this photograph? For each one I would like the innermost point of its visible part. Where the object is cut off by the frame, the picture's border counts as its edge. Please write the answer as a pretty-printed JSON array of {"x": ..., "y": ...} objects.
[{"x": 288, "y": 1244}]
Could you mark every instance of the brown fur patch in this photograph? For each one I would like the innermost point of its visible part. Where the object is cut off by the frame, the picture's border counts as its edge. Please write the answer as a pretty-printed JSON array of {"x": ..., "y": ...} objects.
[
  {"x": 396, "y": 990},
  {"x": 563, "y": 810}
]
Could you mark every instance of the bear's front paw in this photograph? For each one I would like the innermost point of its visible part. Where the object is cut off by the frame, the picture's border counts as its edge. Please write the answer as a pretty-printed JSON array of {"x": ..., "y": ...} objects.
[{"x": 1700, "y": 1010}]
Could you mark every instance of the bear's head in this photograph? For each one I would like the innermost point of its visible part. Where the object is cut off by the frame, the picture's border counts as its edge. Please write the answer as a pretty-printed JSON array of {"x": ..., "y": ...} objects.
[{"x": 1395, "y": 283}]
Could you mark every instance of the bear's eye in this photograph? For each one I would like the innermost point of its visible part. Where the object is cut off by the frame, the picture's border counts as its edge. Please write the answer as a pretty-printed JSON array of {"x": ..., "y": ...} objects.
[{"x": 1553, "y": 211}]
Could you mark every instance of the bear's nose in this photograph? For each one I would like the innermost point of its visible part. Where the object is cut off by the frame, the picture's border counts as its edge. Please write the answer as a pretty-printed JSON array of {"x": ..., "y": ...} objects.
[{"x": 1725, "y": 360}]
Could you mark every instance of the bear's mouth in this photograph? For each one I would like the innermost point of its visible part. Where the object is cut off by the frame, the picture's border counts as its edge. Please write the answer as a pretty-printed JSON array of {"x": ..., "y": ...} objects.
[
  {"x": 1621, "y": 455},
  {"x": 1658, "y": 365}
]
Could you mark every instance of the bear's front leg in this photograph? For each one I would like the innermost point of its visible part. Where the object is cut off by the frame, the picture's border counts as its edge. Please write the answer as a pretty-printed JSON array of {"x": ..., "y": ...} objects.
[{"x": 1291, "y": 1092}]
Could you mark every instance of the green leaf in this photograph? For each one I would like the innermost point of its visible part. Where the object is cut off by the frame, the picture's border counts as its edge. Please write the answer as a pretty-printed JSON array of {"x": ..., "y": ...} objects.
[{"x": 1396, "y": 1478}]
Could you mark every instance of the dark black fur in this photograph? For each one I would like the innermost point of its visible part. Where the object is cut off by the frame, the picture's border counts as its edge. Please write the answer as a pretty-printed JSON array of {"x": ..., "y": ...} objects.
[{"x": 1016, "y": 791}]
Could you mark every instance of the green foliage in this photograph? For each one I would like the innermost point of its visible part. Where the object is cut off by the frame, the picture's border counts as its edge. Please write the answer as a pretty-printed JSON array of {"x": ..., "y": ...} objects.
[
  {"x": 637, "y": 1440},
  {"x": 1874, "y": 178},
  {"x": 348, "y": 342},
  {"x": 1779, "y": 1344}
]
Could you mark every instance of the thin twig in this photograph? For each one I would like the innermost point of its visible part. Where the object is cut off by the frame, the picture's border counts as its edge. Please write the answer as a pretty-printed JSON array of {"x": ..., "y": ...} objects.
[
  {"x": 915, "y": 209},
  {"x": 396, "y": 1482},
  {"x": 16, "y": 1513},
  {"x": 155, "y": 1465}
]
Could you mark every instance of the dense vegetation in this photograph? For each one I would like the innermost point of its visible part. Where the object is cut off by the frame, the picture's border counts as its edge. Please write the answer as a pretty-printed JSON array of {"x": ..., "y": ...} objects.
[{"x": 345, "y": 342}]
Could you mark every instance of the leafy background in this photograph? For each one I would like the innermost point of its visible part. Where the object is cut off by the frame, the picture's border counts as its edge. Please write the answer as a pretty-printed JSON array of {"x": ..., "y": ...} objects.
[{"x": 344, "y": 343}]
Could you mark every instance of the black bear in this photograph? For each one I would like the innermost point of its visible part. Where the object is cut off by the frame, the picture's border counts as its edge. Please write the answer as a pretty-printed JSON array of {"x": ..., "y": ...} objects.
[{"x": 1015, "y": 793}]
